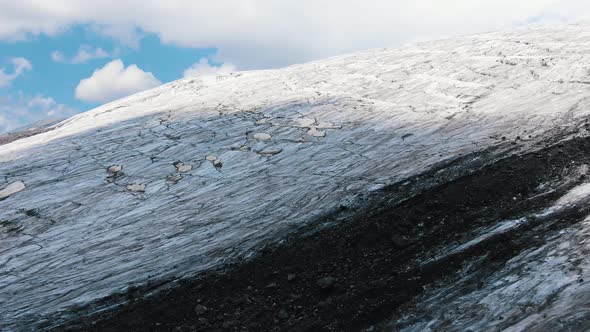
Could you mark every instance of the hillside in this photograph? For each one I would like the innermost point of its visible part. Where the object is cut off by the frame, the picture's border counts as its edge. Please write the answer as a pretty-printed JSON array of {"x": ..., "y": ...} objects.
[{"x": 469, "y": 154}]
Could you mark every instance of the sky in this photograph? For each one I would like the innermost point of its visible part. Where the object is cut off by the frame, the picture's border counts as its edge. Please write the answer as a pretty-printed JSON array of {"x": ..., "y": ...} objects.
[{"x": 62, "y": 57}]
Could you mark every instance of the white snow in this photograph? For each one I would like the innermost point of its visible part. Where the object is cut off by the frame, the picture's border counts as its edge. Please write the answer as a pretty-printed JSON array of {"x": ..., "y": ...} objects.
[
  {"x": 575, "y": 195},
  {"x": 378, "y": 117}
]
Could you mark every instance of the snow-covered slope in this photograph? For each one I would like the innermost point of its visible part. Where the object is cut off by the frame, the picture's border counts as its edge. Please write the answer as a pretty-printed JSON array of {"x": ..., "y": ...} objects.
[{"x": 184, "y": 177}]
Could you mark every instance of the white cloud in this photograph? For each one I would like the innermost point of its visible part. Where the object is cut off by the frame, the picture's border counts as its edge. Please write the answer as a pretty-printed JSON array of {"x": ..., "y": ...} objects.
[
  {"x": 58, "y": 56},
  {"x": 85, "y": 54},
  {"x": 265, "y": 33},
  {"x": 40, "y": 101},
  {"x": 114, "y": 81},
  {"x": 19, "y": 65},
  {"x": 20, "y": 109},
  {"x": 204, "y": 68}
]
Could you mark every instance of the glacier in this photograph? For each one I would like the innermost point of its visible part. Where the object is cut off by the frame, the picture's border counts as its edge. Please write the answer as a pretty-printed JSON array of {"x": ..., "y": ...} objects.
[{"x": 200, "y": 172}]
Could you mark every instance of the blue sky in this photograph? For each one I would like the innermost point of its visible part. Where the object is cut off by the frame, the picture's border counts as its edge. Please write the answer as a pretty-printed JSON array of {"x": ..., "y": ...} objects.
[
  {"x": 57, "y": 77},
  {"x": 61, "y": 57}
]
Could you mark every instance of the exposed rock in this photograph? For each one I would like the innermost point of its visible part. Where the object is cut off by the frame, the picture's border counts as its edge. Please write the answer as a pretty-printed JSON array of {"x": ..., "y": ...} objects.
[
  {"x": 174, "y": 178},
  {"x": 316, "y": 133},
  {"x": 12, "y": 189},
  {"x": 200, "y": 309},
  {"x": 215, "y": 161},
  {"x": 270, "y": 151},
  {"x": 243, "y": 148},
  {"x": 262, "y": 136},
  {"x": 114, "y": 169},
  {"x": 183, "y": 168},
  {"x": 136, "y": 187}
]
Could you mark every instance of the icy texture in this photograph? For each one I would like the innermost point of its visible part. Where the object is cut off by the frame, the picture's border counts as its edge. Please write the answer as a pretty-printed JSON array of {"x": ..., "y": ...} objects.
[
  {"x": 542, "y": 289},
  {"x": 183, "y": 177}
]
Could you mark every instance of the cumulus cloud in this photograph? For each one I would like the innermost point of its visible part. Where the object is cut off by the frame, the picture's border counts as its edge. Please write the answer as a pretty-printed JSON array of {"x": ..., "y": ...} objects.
[
  {"x": 19, "y": 110},
  {"x": 269, "y": 33},
  {"x": 114, "y": 81},
  {"x": 204, "y": 68},
  {"x": 19, "y": 66}
]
